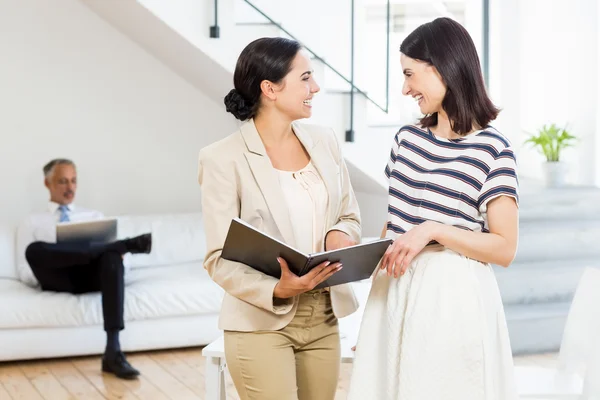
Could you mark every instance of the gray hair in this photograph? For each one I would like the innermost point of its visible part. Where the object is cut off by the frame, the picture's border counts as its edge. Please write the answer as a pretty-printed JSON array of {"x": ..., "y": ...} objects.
[{"x": 49, "y": 168}]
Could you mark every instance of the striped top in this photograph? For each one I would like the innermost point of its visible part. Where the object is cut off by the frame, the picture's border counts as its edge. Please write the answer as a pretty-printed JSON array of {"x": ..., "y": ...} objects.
[{"x": 449, "y": 181}]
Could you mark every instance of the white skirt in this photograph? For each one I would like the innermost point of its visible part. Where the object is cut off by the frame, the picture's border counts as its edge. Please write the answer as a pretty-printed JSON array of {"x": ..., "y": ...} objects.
[{"x": 436, "y": 333}]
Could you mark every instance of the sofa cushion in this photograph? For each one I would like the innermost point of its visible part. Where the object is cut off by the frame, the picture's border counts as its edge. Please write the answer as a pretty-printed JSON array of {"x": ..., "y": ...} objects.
[
  {"x": 151, "y": 293},
  {"x": 176, "y": 239},
  {"x": 8, "y": 267}
]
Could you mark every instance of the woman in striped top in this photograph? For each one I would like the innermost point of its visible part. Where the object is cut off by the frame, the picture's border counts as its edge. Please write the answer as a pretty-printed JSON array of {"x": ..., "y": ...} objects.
[{"x": 434, "y": 325}]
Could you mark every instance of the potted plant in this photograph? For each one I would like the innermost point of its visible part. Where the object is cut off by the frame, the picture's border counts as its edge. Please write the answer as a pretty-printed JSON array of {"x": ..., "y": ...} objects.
[{"x": 550, "y": 141}]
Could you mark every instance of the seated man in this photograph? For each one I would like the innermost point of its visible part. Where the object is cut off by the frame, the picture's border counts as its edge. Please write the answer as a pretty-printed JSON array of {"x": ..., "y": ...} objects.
[{"x": 78, "y": 268}]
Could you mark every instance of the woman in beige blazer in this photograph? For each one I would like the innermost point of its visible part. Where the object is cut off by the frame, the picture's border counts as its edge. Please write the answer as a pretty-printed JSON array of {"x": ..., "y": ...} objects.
[{"x": 290, "y": 181}]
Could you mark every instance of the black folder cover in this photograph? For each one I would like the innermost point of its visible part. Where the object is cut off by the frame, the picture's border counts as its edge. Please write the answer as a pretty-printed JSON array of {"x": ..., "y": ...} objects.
[{"x": 248, "y": 245}]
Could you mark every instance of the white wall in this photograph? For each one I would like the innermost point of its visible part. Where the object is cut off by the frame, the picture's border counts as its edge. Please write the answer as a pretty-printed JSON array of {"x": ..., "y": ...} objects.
[
  {"x": 373, "y": 212},
  {"x": 545, "y": 69},
  {"x": 323, "y": 26},
  {"x": 73, "y": 86},
  {"x": 504, "y": 73},
  {"x": 192, "y": 19},
  {"x": 597, "y": 112}
]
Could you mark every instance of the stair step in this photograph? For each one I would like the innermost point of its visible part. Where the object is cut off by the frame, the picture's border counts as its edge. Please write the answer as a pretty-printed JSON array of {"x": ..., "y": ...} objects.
[
  {"x": 542, "y": 281},
  {"x": 552, "y": 213},
  {"x": 534, "y": 312},
  {"x": 536, "y": 328},
  {"x": 554, "y": 240}
]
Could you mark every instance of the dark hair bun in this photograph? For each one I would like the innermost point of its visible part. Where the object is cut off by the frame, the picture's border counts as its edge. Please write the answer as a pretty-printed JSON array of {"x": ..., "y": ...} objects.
[{"x": 238, "y": 106}]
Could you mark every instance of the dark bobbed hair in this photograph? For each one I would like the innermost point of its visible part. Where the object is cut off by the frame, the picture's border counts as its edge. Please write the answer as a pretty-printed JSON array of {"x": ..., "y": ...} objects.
[{"x": 447, "y": 45}]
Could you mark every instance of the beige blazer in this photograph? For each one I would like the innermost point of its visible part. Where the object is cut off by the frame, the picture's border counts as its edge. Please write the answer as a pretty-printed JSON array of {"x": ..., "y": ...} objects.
[{"x": 238, "y": 180}]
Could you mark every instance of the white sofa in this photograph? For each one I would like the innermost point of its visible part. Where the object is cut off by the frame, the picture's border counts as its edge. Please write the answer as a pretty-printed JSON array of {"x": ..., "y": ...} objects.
[{"x": 170, "y": 301}]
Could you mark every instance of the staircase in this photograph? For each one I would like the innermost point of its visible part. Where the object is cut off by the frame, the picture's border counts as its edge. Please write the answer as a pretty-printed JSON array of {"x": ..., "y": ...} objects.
[
  {"x": 176, "y": 33},
  {"x": 559, "y": 231}
]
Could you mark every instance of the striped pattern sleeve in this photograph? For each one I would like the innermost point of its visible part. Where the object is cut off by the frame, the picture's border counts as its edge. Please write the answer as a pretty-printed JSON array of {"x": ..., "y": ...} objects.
[
  {"x": 502, "y": 179},
  {"x": 392, "y": 157}
]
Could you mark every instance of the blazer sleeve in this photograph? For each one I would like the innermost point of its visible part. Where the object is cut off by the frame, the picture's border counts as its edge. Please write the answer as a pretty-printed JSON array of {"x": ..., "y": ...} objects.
[
  {"x": 220, "y": 204},
  {"x": 349, "y": 218}
]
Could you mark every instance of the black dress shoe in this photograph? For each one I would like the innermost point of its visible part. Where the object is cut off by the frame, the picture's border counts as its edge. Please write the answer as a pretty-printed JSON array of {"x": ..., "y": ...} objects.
[
  {"x": 139, "y": 244},
  {"x": 117, "y": 364}
]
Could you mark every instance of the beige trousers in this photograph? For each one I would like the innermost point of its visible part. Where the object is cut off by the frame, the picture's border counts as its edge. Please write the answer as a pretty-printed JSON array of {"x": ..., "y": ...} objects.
[{"x": 298, "y": 362}]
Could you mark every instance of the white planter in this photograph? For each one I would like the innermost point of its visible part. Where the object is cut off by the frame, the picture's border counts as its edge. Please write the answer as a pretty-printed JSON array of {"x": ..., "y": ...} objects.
[{"x": 555, "y": 173}]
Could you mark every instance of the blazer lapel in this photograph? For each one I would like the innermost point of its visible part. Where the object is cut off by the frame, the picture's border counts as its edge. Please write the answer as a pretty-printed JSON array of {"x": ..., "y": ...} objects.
[
  {"x": 268, "y": 181},
  {"x": 325, "y": 164}
]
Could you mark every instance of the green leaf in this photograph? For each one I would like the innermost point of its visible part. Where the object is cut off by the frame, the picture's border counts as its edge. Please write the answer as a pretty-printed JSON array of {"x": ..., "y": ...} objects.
[{"x": 551, "y": 140}]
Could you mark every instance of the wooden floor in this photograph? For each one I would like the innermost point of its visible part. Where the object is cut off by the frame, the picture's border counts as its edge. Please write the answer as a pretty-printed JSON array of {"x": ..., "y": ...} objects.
[{"x": 174, "y": 374}]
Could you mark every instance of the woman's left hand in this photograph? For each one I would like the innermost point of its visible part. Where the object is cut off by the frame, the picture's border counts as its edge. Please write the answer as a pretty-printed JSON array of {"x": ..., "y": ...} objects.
[{"x": 401, "y": 253}]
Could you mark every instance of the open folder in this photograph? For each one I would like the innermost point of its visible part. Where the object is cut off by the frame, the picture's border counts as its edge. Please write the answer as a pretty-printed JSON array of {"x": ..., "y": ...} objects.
[{"x": 248, "y": 245}]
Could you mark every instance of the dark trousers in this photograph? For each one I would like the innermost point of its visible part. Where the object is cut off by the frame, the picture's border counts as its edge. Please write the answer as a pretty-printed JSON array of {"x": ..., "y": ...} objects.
[{"x": 79, "y": 268}]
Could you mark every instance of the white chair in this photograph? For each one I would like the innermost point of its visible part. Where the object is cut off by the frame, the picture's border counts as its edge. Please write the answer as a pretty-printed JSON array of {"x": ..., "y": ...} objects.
[
  {"x": 578, "y": 373},
  {"x": 580, "y": 348},
  {"x": 537, "y": 383}
]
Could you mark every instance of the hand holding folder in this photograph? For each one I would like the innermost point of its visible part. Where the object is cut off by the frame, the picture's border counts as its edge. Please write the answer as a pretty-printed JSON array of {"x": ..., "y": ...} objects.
[
  {"x": 291, "y": 285},
  {"x": 248, "y": 245}
]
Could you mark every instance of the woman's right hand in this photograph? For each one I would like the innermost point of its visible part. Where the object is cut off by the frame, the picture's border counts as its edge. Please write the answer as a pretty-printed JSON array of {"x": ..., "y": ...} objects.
[{"x": 291, "y": 285}]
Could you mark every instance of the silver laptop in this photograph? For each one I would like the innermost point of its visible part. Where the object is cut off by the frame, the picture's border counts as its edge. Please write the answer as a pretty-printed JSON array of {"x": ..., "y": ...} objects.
[{"x": 96, "y": 231}]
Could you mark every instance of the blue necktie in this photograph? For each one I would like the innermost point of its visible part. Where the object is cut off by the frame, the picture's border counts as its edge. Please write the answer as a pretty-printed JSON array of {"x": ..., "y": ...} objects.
[{"x": 64, "y": 217}]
